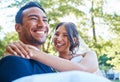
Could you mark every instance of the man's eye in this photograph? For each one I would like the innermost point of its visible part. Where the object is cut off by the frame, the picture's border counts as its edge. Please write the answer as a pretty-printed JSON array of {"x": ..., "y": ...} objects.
[
  {"x": 45, "y": 20},
  {"x": 33, "y": 18}
]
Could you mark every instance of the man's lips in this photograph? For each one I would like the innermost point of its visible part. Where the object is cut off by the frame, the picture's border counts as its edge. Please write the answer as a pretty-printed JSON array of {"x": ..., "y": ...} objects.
[{"x": 39, "y": 31}]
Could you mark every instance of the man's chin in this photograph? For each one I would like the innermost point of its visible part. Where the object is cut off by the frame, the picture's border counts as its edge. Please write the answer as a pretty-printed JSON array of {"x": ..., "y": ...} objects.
[
  {"x": 40, "y": 42},
  {"x": 37, "y": 42}
]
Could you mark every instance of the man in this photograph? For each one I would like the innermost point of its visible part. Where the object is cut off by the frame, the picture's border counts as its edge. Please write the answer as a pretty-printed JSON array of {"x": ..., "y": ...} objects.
[{"x": 32, "y": 27}]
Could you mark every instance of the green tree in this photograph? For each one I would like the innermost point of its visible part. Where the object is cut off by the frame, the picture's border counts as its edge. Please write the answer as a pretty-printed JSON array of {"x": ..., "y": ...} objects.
[
  {"x": 104, "y": 65},
  {"x": 10, "y": 37}
]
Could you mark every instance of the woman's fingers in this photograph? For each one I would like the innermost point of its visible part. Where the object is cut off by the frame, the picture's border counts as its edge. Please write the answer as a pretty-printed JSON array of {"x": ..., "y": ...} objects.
[
  {"x": 25, "y": 49},
  {"x": 22, "y": 49},
  {"x": 19, "y": 48},
  {"x": 16, "y": 48},
  {"x": 10, "y": 50}
]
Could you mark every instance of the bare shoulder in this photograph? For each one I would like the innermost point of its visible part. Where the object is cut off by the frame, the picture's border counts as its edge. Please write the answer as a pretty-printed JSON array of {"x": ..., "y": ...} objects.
[
  {"x": 77, "y": 55},
  {"x": 90, "y": 53}
]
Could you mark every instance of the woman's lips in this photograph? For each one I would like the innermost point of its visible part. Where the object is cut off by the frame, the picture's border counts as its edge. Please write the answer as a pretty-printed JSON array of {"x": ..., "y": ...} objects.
[{"x": 59, "y": 45}]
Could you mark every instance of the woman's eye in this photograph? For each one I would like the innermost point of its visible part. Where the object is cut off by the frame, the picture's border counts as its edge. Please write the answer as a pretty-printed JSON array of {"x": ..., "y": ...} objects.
[
  {"x": 56, "y": 34},
  {"x": 65, "y": 35}
]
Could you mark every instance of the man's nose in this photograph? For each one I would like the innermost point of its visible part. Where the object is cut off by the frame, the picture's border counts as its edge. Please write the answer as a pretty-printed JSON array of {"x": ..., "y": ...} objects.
[{"x": 41, "y": 23}]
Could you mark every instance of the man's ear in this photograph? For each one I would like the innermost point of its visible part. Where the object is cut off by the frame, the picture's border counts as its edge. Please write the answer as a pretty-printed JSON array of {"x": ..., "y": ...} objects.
[{"x": 18, "y": 27}]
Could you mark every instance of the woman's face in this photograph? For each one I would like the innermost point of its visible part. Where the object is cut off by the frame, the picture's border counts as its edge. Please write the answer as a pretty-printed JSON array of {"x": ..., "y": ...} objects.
[{"x": 60, "y": 39}]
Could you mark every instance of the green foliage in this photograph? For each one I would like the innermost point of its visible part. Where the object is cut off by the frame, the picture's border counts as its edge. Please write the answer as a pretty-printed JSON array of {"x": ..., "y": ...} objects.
[
  {"x": 114, "y": 52},
  {"x": 0, "y": 28},
  {"x": 116, "y": 81},
  {"x": 96, "y": 9},
  {"x": 10, "y": 37},
  {"x": 103, "y": 62},
  {"x": 113, "y": 22}
]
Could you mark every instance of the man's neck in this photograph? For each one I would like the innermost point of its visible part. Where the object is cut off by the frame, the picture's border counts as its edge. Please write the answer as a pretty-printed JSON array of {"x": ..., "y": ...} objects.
[
  {"x": 37, "y": 47},
  {"x": 34, "y": 47}
]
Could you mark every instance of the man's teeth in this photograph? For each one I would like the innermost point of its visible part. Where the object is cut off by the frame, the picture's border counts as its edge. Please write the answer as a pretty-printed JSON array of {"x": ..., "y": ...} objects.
[{"x": 40, "y": 32}]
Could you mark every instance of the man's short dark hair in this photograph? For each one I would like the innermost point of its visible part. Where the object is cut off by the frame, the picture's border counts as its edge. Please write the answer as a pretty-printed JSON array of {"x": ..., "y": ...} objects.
[{"x": 19, "y": 15}]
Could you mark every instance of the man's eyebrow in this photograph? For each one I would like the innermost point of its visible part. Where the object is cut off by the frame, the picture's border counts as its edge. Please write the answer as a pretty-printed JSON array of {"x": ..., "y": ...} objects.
[
  {"x": 32, "y": 15},
  {"x": 36, "y": 16},
  {"x": 45, "y": 17}
]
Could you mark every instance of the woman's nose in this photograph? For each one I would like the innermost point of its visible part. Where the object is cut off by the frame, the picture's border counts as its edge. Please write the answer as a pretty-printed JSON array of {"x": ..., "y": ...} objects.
[{"x": 59, "y": 38}]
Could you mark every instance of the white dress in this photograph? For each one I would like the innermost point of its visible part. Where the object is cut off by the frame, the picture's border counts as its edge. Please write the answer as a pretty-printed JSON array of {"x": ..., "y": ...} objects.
[
  {"x": 69, "y": 76},
  {"x": 76, "y": 59},
  {"x": 79, "y": 58}
]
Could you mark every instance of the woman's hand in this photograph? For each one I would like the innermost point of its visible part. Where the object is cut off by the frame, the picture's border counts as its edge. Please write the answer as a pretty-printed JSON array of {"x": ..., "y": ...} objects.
[
  {"x": 34, "y": 52},
  {"x": 19, "y": 49}
]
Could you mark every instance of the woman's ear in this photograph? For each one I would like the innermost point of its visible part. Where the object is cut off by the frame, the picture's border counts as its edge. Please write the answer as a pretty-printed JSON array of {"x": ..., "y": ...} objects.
[
  {"x": 75, "y": 39},
  {"x": 18, "y": 27}
]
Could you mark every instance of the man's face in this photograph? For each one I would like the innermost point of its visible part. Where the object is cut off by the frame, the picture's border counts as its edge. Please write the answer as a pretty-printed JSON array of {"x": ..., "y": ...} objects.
[{"x": 34, "y": 28}]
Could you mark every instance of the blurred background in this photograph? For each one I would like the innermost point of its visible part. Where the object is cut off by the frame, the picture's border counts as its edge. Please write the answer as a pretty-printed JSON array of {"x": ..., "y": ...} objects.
[{"x": 98, "y": 22}]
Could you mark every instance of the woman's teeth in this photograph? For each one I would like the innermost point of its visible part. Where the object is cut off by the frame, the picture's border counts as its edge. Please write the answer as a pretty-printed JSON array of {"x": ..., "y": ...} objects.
[{"x": 59, "y": 44}]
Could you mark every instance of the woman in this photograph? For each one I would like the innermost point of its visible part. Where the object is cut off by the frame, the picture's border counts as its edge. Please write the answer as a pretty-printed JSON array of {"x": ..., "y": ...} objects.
[{"x": 66, "y": 42}]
